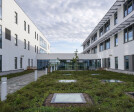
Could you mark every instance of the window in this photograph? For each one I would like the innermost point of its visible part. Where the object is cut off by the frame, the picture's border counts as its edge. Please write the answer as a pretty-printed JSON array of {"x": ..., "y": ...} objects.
[
  {"x": 0, "y": 9},
  {"x": 35, "y": 48},
  {"x": 88, "y": 43},
  {"x": 109, "y": 64},
  {"x": 84, "y": 46},
  {"x": 0, "y": 36},
  {"x": 128, "y": 34},
  {"x": 28, "y": 28},
  {"x": 116, "y": 62},
  {"x": 28, "y": 45},
  {"x": 15, "y": 60},
  {"x": 94, "y": 38},
  {"x": 7, "y": 34},
  {"x": 31, "y": 62},
  {"x": 42, "y": 51},
  {"x": 0, "y": 63},
  {"x": 101, "y": 31},
  {"x": 21, "y": 62},
  {"x": 16, "y": 17},
  {"x": 28, "y": 62},
  {"x": 107, "y": 26},
  {"x": 35, "y": 35},
  {"x": 115, "y": 18},
  {"x": 101, "y": 47},
  {"x": 94, "y": 50},
  {"x": 43, "y": 43},
  {"x": 25, "y": 25},
  {"x": 126, "y": 60},
  {"x": 128, "y": 7},
  {"x": 116, "y": 40},
  {"x": 108, "y": 44},
  {"x": 25, "y": 44},
  {"x": 16, "y": 40}
]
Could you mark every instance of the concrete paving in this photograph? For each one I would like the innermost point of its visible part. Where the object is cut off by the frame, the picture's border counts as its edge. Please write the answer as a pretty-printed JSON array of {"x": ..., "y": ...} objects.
[{"x": 19, "y": 82}]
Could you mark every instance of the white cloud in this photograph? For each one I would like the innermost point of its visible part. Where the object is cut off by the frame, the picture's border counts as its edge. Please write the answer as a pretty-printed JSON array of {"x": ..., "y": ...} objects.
[{"x": 66, "y": 20}]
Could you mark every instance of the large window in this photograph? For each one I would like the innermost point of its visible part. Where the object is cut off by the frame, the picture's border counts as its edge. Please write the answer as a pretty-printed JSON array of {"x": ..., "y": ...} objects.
[
  {"x": 108, "y": 44},
  {"x": 94, "y": 50},
  {"x": 16, "y": 40},
  {"x": 126, "y": 60},
  {"x": 42, "y": 51},
  {"x": 15, "y": 61},
  {"x": 128, "y": 7},
  {"x": 128, "y": 34},
  {"x": 0, "y": 63},
  {"x": 43, "y": 43},
  {"x": 101, "y": 31},
  {"x": 16, "y": 17},
  {"x": 0, "y": 9},
  {"x": 0, "y": 36},
  {"x": 94, "y": 38},
  {"x": 107, "y": 26},
  {"x": 88, "y": 43},
  {"x": 116, "y": 62},
  {"x": 7, "y": 34},
  {"x": 101, "y": 47},
  {"x": 116, "y": 40},
  {"x": 115, "y": 18},
  {"x": 25, "y": 44}
]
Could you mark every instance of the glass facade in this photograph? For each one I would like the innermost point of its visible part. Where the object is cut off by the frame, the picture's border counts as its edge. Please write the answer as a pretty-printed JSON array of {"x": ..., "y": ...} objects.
[
  {"x": 126, "y": 60},
  {"x": 69, "y": 64},
  {"x": 43, "y": 43}
]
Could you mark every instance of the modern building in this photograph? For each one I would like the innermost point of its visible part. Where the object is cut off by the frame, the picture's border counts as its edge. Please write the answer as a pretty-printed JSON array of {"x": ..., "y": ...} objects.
[
  {"x": 20, "y": 39},
  {"x": 112, "y": 40}
]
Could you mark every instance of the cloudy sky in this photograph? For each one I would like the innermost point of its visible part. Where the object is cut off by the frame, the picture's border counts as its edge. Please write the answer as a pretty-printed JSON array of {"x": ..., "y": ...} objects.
[{"x": 66, "y": 23}]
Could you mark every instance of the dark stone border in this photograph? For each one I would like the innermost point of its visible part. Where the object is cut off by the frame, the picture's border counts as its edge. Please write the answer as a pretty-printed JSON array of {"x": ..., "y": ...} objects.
[
  {"x": 129, "y": 94},
  {"x": 88, "y": 99}
]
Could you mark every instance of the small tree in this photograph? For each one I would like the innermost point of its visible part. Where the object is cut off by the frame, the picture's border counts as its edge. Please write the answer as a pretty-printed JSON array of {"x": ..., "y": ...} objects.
[{"x": 75, "y": 60}]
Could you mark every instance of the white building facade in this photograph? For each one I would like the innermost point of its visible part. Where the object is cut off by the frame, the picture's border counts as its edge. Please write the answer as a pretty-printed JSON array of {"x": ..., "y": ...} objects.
[
  {"x": 112, "y": 40},
  {"x": 20, "y": 39}
]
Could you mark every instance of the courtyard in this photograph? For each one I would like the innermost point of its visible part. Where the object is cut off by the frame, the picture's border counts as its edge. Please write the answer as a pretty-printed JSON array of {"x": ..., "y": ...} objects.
[{"x": 108, "y": 96}]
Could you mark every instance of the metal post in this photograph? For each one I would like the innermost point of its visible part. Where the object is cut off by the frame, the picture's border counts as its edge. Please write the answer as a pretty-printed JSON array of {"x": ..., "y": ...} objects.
[
  {"x": 51, "y": 70},
  {"x": 3, "y": 88},
  {"x": 46, "y": 71},
  {"x": 35, "y": 75}
]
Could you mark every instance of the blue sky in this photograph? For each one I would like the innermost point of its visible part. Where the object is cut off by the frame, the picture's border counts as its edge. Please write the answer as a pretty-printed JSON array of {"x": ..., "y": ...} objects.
[{"x": 65, "y": 23}]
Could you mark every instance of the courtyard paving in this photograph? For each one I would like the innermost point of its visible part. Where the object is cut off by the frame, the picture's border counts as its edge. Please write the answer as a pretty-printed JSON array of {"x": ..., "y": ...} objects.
[{"x": 19, "y": 82}]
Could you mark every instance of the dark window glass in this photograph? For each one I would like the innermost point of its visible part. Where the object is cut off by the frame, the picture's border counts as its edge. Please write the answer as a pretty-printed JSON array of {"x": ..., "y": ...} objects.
[
  {"x": 28, "y": 28},
  {"x": 25, "y": 25},
  {"x": 21, "y": 62},
  {"x": 25, "y": 44},
  {"x": 0, "y": 36},
  {"x": 0, "y": 63},
  {"x": 128, "y": 7},
  {"x": 107, "y": 26},
  {"x": 15, "y": 60},
  {"x": 7, "y": 34},
  {"x": 35, "y": 48},
  {"x": 28, "y": 45},
  {"x": 126, "y": 58},
  {"x": 101, "y": 47},
  {"x": 116, "y": 62},
  {"x": 37, "y": 36},
  {"x": 115, "y": 18},
  {"x": 16, "y": 17},
  {"x": 16, "y": 40},
  {"x": 108, "y": 44},
  {"x": 101, "y": 31},
  {"x": 128, "y": 34},
  {"x": 29, "y": 62},
  {"x": 116, "y": 40}
]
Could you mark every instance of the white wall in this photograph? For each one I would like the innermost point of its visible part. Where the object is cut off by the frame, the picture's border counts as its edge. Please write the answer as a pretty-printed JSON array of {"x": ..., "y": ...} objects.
[{"x": 9, "y": 50}]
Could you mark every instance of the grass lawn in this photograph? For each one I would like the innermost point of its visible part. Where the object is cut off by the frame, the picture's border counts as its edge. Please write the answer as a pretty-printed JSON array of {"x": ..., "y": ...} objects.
[
  {"x": 17, "y": 74},
  {"x": 108, "y": 97}
]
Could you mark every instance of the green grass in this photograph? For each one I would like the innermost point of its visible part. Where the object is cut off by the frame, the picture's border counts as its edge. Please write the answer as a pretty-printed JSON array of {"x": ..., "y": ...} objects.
[
  {"x": 17, "y": 74},
  {"x": 108, "y": 97}
]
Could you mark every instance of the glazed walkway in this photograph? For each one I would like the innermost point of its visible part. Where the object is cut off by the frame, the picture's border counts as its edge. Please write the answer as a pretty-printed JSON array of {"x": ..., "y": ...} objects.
[{"x": 19, "y": 82}]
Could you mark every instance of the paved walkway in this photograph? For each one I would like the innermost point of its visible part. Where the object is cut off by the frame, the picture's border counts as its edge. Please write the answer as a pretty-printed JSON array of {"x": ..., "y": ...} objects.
[{"x": 19, "y": 82}]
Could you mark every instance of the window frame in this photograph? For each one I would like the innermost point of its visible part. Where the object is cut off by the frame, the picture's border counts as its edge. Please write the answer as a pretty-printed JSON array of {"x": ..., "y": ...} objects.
[{"x": 16, "y": 40}]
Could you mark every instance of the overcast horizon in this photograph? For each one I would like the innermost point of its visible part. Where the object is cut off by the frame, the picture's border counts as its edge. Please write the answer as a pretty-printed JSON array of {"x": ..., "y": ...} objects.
[{"x": 65, "y": 23}]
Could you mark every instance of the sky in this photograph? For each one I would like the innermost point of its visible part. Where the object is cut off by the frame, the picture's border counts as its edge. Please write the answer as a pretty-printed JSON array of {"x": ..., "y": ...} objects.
[{"x": 65, "y": 23}]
